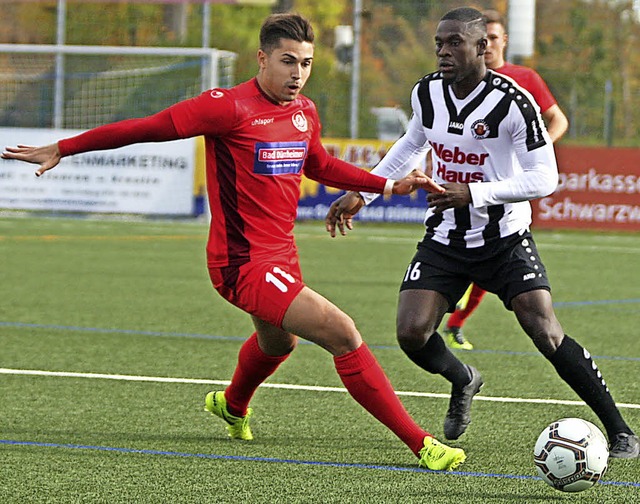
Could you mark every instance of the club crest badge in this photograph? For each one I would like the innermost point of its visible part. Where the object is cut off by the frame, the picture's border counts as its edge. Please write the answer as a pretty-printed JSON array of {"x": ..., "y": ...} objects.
[
  {"x": 480, "y": 129},
  {"x": 299, "y": 121}
]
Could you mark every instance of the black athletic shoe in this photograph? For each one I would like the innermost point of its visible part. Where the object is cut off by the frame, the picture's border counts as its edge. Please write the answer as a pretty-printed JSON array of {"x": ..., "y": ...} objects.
[
  {"x": 459, "y": 414},
  {"x": 625, "y": 446}
]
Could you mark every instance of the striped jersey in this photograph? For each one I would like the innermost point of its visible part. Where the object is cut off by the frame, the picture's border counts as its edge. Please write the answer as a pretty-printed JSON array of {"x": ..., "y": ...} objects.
[
  {"x": 494, "y": 140},
  {"x": 529, "y": 79}
]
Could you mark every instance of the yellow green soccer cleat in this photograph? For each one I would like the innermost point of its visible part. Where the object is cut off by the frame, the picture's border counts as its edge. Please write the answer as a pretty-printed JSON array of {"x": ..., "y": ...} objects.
[
  {"x": 238, "y": 428},
  {"x": 455, "y": 338},
  {"x": 462, "y": 302},
  {"x": 440, "y": 457}
]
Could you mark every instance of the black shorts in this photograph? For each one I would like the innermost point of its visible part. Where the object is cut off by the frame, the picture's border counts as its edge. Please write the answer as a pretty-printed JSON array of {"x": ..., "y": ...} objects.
[{"x": 507, "y": 267}]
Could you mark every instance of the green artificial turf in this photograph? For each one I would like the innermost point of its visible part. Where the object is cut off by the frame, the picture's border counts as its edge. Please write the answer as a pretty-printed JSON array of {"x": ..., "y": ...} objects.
[{"x": 127, "y": 335}]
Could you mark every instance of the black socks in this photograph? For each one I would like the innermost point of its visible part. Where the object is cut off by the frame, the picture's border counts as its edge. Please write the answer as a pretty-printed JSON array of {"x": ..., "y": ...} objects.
[
  {"x": 575, "y": 366},
  {"x": 436, "y": 358}
]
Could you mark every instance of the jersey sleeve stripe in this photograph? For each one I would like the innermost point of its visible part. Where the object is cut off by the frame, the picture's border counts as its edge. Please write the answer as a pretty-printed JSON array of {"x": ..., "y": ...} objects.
[{"x": 424, "y": 94}]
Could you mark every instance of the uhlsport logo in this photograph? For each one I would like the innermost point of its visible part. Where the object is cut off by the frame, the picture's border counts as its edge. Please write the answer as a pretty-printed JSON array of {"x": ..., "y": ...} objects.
[
  {"x": 480, "y": 129},
  {"x": 216, "y": 94},
  {"x": 299, "y": 121},
  {"x": 262, "y": 122}
]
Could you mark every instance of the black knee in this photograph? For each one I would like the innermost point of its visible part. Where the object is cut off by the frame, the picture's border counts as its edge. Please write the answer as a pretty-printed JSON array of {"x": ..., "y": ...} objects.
[
  {"x": 412, "y": 337},
  {"x": 547, "y": 343}
]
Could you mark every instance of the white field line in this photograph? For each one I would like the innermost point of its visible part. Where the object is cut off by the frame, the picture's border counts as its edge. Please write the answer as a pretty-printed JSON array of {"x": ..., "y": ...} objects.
[{"x": 286, "y": 386}]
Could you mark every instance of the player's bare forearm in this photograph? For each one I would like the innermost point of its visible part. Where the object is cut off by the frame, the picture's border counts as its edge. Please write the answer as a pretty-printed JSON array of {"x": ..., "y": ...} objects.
[
  {"x": 47, "y": 156},
  {"x": 341, "y": 213},
  {"x": 454, "y": 196}
]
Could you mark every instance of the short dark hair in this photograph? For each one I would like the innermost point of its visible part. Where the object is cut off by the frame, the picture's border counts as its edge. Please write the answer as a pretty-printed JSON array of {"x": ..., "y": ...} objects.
[
  {"x": 284, "y": 26},
  {"x": 473, "y": 18},
  {"x": 493, "y": 16}
]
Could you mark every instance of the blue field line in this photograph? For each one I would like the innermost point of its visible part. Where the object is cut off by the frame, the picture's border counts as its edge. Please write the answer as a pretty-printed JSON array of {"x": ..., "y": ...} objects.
[
  {"x": 238, "y": 458},
  {"x": 562, "y": 304},
  {"x": 24, "y": 325},
  {"x": 120, "y": 331}
]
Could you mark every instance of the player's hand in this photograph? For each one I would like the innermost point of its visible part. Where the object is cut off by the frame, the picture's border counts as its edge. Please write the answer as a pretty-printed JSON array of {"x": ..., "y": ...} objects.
[
  {"x": 47, "y": 156},
  {"x": 454, "y": 196},
  {"x": 342, "y": 211},
  {"x": 416, "y": 180}
]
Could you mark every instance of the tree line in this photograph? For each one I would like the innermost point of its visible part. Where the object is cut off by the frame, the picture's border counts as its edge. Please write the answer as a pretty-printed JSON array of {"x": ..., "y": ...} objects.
[{"x": 585, "y": 50}]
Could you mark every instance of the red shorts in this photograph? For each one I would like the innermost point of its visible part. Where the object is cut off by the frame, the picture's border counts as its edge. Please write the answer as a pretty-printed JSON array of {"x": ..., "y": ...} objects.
[{"x": 264, "y": 288}]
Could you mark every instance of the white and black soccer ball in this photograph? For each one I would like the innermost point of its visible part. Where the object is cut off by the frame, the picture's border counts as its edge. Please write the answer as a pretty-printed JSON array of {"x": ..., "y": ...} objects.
[{"x": 571, "y": 454}]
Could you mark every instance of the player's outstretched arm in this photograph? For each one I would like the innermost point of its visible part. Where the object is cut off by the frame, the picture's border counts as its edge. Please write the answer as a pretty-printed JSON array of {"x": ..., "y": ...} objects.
[
  {"x": 47, "y": 156},
  {"x": 343, "y": 209},
  {"x": 155, "y": 128}
]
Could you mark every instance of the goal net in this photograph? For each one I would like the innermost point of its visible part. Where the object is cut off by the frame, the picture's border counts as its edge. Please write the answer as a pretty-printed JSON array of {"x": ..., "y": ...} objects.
[{"x": 80, "y": 87}]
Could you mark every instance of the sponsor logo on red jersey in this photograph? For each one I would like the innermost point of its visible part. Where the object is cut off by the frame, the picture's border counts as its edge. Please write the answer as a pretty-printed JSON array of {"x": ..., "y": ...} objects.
[
  {"x": 276, "y": 154},
  {"x": 277, "y": 158}
]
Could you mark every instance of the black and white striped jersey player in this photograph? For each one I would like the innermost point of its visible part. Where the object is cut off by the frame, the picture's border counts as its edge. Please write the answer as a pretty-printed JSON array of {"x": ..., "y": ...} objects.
[
  {"x": 491, "y": 154},
  {"x": 494, "y": 139}
]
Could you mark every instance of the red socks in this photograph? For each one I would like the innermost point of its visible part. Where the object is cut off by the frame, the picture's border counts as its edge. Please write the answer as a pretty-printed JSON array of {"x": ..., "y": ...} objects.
[
  {"x": 359, "y": 371},
  {"x": 254, "y": 367},
  {"x": 368, "y": 385},
  {"x": 458, "y": 317}
]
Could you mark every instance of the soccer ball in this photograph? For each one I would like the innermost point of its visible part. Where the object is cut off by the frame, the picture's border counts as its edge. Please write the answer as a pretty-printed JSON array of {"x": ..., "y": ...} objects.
[{"x": 571, "y": 455}]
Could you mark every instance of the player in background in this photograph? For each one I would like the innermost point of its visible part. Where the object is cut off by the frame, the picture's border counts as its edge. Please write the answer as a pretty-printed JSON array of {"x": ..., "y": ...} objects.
[
  {"x": 556, "y": 123},
  {"x": 260, "y": 137},
  {"x": 492, "y": 154}
]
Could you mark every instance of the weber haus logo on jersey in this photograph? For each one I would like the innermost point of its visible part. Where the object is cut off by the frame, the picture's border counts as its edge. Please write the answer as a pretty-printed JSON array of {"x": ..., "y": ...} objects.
[
  {"x": 277, "y": 158},
  {"x": 457, "y": 157},
  {"x": 457, "y": 176}
]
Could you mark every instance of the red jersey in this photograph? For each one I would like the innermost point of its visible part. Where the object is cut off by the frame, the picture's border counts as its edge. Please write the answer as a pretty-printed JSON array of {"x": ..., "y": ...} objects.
[
  {"x": 532, "y": 82},
  {"x": 256, "y": 152}
]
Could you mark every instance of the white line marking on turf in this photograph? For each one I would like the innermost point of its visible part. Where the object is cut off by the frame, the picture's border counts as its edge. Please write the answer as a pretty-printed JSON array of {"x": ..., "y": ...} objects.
[{"x": 286, "y": 386}]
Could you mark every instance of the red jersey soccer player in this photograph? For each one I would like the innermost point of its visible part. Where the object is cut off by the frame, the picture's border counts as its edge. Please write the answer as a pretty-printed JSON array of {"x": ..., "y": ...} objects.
[
  {"x": 556, "y": 123},
  {"x": 260, "y": 137}
]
